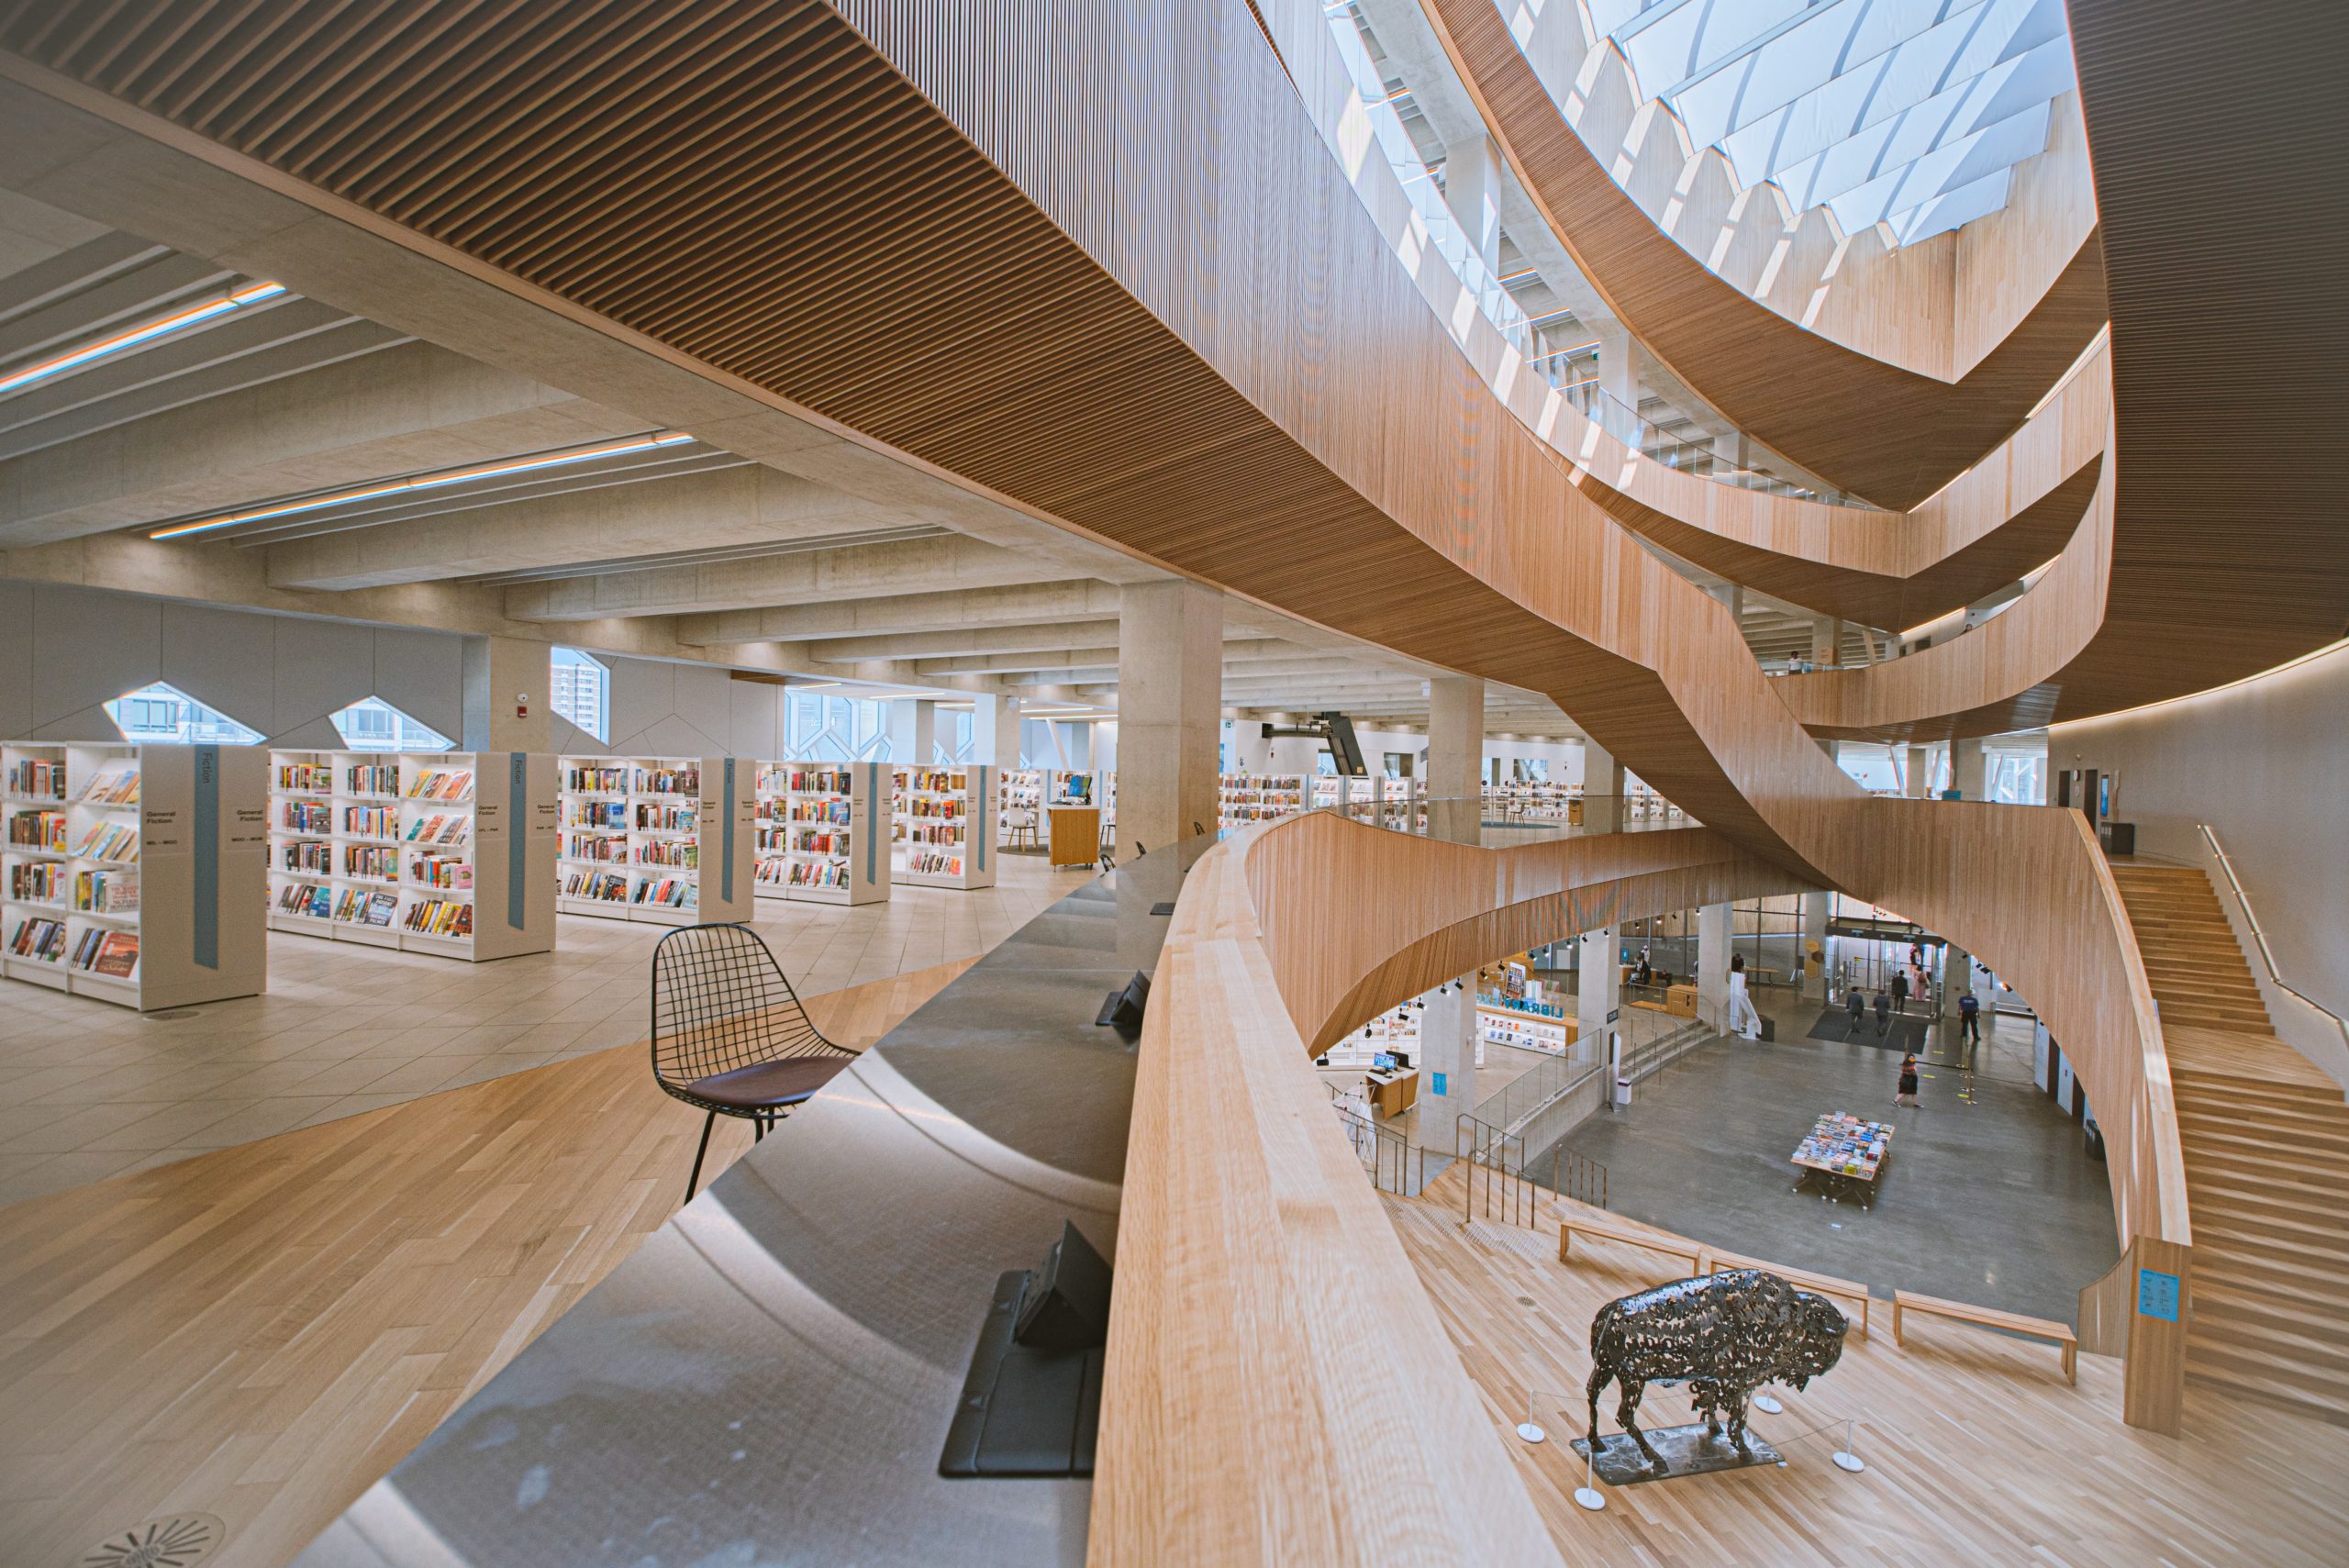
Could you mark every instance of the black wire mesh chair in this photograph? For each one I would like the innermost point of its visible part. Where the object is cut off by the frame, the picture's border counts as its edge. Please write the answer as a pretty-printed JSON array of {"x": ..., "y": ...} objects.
[{"x": 729, "y": 1034}]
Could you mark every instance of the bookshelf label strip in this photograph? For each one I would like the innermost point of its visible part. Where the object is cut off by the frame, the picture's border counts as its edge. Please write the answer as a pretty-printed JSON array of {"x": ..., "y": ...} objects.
[
  {"x": 726, "y": 840},
  {"x": 518, "y": 880},
  {"x": 873, "y": 836},
  {"x": 205, "y": 929}
]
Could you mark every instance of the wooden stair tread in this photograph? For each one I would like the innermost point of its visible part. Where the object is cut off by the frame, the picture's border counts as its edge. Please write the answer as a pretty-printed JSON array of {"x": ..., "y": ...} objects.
[{"x": 2271, "y": 1391}]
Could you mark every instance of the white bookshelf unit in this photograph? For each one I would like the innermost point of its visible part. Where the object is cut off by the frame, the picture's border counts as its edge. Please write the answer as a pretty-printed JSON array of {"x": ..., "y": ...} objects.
[
  {"x": 663, "y": 840},
  {"x": 820, "y": 838},
  {"x": 134, "y": 874},
  {"x": 1022, "y": 792},
  {"x": 946, "y": 826},
  {"x": 440, "y": 852},
  {"x": 1242, "y": 798}
]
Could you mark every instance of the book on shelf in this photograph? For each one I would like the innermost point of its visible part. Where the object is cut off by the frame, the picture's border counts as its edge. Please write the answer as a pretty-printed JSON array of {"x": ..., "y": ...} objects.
[
  {"x": 118, "y": 956},
  {"x": 668, "y": 781},
  {"x": 305, "y": 898},
  {"x": 817, "y": 874},
  {"x": 40, "y": 777},
  {"x": 930, "y": 863},
  {"x": 434, "y": 783},
  {"x": 305, "y": 778},
  {"x": 37, "y": 881},
  {"x": 306, "y": 817},
  {"x": 610, "y": 814},
  {"x": 372, "y": 778},
  {"x": 117, "y": 784},
  {"x": 37, "y": 830},
  {"x": 603, "y": 886},
  {"x": 440, "y": 918},
  {"x": 108, "y": 842},
  {"x": 307, "y": 859},
  {"x": 441, "y": 828},
  {"x": 652, "y": 819},
  {"x": 107, "y": 891},
  {"x": 442, "y": 872},
  {"x": 581, "y": 778},
  {"x": 371, "y": 862},
  {"x": 39, "y": 939},
  {"x": 821, "y": 781},
  {"x": 667, "y": 892}
]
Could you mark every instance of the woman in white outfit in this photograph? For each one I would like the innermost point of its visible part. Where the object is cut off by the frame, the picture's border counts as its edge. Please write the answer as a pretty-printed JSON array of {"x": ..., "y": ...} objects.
[{"x": 1743, "y": 1019}]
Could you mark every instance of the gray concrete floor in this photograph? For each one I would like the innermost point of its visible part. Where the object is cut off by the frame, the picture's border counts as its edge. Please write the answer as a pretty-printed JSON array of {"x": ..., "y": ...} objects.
[{"x": 1994, "y": 1202}]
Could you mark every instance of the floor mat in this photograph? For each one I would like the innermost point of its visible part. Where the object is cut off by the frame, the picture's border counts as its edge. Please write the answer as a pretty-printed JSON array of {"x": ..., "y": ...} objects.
[{"x": 1903, "y": 1034}]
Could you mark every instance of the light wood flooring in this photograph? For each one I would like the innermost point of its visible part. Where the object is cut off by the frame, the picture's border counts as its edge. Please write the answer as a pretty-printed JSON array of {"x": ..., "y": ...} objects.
[
  {"x": 261, "y": 1333},
  {"x": 1977, "y": 1450},
  {"x": 89, "y": 1091}
]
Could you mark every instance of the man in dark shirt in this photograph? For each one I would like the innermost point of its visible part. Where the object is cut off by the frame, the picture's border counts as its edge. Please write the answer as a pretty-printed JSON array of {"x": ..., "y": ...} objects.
[
  {"x": 1901, "y": 991},
  {"x": 1883, "y": 1012}
]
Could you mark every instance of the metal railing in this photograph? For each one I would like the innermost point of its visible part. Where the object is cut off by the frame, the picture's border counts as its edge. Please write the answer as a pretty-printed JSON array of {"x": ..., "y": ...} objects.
[
  {"x": 1496, "y": 1184},
  {"x": 1392, "y": 1162},
  {"x": 1539, "y": 1087},
  {"x": 2259, "y": 936}
]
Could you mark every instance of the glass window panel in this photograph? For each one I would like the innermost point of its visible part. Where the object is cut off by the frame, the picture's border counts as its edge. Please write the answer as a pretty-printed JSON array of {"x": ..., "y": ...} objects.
[{"x": 161, "y": 714}]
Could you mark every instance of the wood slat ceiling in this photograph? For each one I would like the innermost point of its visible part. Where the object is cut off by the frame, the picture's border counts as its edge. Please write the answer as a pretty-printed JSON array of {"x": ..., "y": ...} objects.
[{"x": 1887, "y": 434}]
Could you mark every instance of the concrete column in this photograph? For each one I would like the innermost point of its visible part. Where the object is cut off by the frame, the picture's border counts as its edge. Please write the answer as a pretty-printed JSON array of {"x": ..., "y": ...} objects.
[
  {"x": 1732, "y": 598},
  {"x": 1815, "y": 907},
  {"x": 1599, "y": 992},
  {"x": 995, "y": 730},
  {"x": 1967, "y": 775},
  {"x": 1826, "y": 638},
  {"x": 1447, "y": 1048},
  {"x": 913, "y": 732},
  {"x": 1455, "y": 768},
  {"x": 1920, "y": 772},
  {"x": 1472, "y": 177},
  {"x": 507, "y": 682},
  {"x": 1619, "y": 378},
  {"x": 1077, "y": 745},
  {"x": 1170, "y": 707},
  {"x": 1712, "y": 965},
  {"x": 1957, "y": 977},
  {"x": 1602, "y": 789}
]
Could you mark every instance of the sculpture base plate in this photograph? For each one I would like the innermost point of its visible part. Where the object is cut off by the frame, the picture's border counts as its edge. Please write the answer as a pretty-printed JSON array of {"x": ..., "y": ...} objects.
[{"x": 1686, "y": 1451}]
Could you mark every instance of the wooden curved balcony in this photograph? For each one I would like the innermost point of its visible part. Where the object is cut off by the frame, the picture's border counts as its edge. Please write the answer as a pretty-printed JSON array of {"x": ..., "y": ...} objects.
[
  {"x": 1289, "y": 934},
  {"x": 1883, "y": 432}
]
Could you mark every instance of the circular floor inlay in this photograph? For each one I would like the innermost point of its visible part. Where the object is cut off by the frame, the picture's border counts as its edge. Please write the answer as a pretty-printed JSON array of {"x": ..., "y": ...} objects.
[{"x": 177, "y": 1541}]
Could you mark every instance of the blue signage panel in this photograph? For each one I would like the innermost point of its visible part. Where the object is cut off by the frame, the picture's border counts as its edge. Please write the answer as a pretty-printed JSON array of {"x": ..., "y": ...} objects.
[
  {"x": 2157, "y": 1294},
  {"x": 204, "y": 933},
  {"x": 517, "y": 825},
  {"x": 1439, "y": 1083}
]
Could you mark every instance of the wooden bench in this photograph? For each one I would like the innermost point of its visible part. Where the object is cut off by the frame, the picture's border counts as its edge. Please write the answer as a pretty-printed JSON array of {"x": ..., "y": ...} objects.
[
  {"x": 1990, "y": 1318},
  {"x": 1801, "y": 1278},
  {"x": 1598, "y": 1230}
]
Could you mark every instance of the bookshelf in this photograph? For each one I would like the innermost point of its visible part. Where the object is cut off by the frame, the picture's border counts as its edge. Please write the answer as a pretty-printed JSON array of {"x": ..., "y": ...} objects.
[
  {"x": 819, "y": 838},
  {"x": 437, "y": 852},
  {"x": 1023, "y": 791},
  {"x": 1242, "y": 798},
  {"x": 668, "y": 840},
  {"x": 945, "y": 826},
  {"x": 135, "y": 874}
]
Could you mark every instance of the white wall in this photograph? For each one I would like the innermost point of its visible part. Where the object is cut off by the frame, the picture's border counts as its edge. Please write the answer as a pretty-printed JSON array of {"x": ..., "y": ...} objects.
[
  {"x": 2265, "y": 764},
  {"x": 665, "y": 709},
  {"x": 64, "y": 651}
]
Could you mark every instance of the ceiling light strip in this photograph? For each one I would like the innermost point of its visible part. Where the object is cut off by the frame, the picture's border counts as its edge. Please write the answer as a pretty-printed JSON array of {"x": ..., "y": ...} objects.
[
  {"x": 253, "y": 294},
  {"x": 423, "y": 482}
]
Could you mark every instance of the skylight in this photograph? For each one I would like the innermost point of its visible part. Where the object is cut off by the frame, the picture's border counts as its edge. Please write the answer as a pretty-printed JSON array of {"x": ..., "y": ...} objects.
[
  {"x": 1907, "y": 112},
  {"x": 370, "y": 724},
  {"x": 164, "y": 715}
]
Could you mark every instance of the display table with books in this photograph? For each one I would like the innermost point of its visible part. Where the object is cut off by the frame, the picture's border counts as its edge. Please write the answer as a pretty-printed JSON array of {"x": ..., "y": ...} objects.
[{"x": 1844, "y": 1152}]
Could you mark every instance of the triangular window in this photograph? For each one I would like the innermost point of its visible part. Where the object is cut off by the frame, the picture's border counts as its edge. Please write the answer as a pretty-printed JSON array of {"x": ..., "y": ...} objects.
[
  {"x": 163, "y": 714},
  {"x": 371, "y": 724},
  {"x": 582, "y": 692}
]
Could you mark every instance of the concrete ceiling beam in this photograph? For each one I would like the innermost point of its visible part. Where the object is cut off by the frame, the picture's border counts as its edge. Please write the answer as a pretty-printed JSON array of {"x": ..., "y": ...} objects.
[
  {"x": 879, "y": 627},
  {"x": 862, "y": 572},
  {"x": 406, "y": 409},
  {"x": 732, "y": 507}
]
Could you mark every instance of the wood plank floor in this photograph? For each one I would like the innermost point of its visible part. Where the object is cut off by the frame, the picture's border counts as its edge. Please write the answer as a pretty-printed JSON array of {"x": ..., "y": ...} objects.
[
  {"x": 261, "y": 1333},
  {"x": 1977, "y": 1449}
]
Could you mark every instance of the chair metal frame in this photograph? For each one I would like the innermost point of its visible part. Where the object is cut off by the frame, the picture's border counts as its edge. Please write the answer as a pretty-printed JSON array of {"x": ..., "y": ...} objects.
[{"x": 720, "y": 1003}]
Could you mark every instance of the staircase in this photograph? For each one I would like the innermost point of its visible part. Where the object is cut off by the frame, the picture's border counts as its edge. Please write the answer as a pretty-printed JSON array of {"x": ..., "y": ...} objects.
[{"x": 2266, "y": 1138}]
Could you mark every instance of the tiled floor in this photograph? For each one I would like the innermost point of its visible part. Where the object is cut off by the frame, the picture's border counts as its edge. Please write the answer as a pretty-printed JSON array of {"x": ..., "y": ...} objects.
[{"x": 89, "y": 1091}]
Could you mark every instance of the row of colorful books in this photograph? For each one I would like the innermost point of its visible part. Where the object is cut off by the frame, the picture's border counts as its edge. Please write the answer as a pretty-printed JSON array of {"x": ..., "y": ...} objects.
[
  {"x": 436, "y": 785},
  {"x": 115, "y": 784},
  {"x": 37, "y": 776}
]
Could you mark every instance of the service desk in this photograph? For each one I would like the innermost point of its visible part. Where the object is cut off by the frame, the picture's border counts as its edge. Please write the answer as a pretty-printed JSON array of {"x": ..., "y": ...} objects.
[
  {"x": 1392, "y": 1094},
  {"x": 1076, "y": 834}
]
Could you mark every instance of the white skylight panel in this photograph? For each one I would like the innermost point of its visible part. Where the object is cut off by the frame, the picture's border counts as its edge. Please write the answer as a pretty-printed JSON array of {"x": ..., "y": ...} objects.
[
  {"x": 1954, "y": 209},
  {"x": 1607, "y": 17},
  {"x": 1947, "y": 168},
  {"x": 2012, "y": 88},
  {"x": 1800, "y": 57},
  {"x": 1668, "y": 44},
  {"x": 1940, "y": 59}
]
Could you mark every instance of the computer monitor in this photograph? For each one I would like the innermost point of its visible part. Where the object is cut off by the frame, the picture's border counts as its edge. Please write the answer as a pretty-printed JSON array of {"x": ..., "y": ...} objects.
[{"x": 1383, "y": 1063}]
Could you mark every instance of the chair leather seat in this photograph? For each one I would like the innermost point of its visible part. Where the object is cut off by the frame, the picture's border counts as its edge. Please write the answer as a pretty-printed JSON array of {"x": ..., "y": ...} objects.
[{"x": 782, "y": 1083}]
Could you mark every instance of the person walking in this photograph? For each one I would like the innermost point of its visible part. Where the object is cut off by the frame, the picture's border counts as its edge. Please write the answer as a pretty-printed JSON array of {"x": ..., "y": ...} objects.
[
  {"x": 1857, "y": 1002},
  {"x": 1900, "y": 992},
  {"x": 1744, "y": 1019},
  {"x": 1969, "y": 1019},
  {"x": 1883, "y": 1012},
  {"x": 1906, "y": 1093}
]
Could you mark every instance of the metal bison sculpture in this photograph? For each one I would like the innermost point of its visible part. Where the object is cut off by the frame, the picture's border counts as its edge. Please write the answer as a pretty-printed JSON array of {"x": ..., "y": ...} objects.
[{"x": 1725, "y": 1335}]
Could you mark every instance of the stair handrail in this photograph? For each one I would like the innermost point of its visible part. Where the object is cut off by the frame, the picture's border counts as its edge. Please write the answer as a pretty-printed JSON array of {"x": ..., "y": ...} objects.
[{"x": 2259, "y": 936}]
